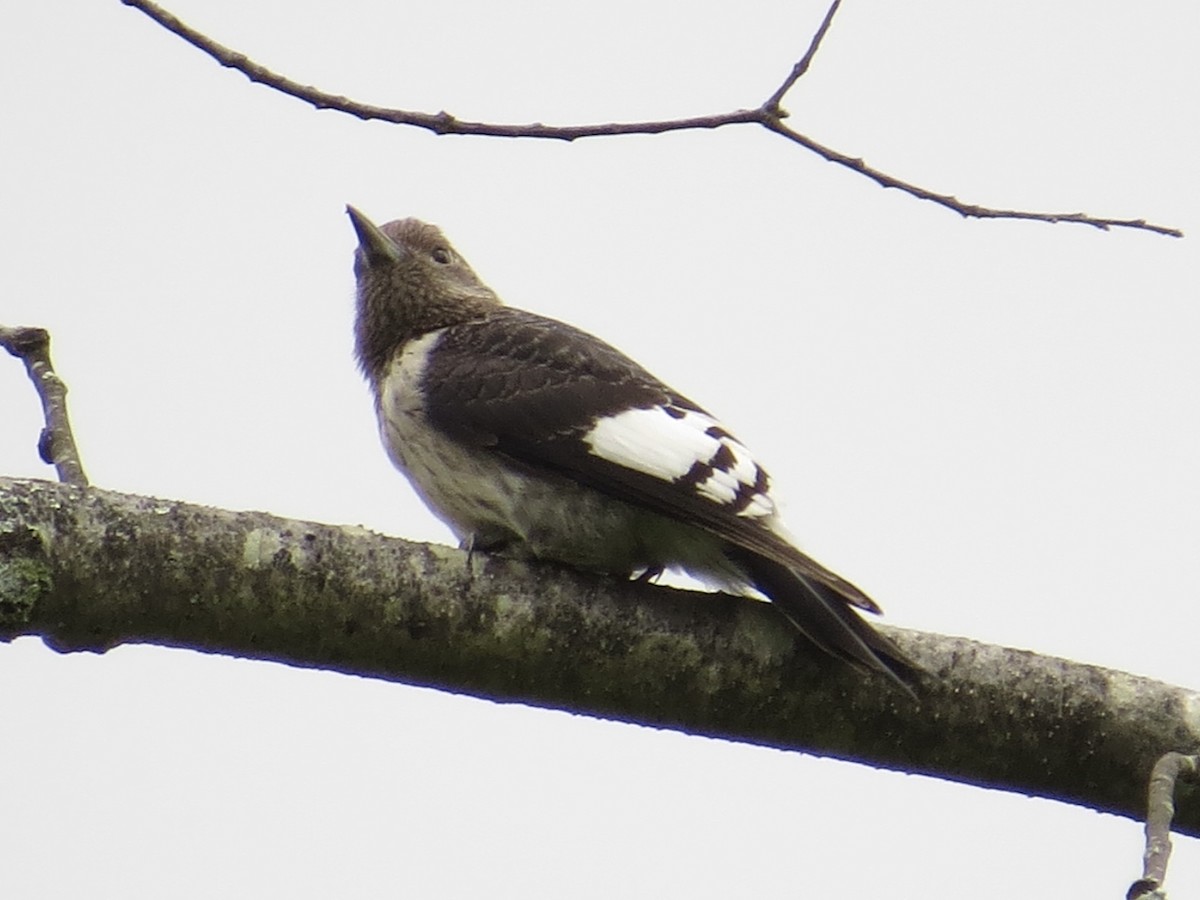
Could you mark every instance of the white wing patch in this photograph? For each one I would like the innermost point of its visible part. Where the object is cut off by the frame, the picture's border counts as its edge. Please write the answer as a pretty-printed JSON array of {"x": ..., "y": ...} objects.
[
  {"x": 687, "y": 447},
  {"x": 652, "y": 442}
]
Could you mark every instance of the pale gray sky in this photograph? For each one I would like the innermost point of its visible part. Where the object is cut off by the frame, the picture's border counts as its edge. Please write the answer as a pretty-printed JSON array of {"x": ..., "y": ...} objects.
[{"x": 991, "y": 426}]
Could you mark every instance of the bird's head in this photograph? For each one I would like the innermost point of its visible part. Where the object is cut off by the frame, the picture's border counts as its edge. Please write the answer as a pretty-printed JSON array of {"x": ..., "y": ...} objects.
[{"x": 410, "y": 281}]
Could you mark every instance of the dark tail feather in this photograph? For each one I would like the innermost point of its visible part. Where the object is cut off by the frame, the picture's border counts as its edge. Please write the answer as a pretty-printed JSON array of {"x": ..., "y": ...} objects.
[{"x": 826, "y": 619}]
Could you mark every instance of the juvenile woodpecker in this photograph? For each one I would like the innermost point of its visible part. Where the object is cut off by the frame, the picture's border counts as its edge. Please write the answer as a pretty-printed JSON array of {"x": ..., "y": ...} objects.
[{"x": 531, "y": 437}]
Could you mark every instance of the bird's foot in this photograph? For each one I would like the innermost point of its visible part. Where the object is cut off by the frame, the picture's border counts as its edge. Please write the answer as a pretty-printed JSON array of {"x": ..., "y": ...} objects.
[{"x": 649, "y": 575}]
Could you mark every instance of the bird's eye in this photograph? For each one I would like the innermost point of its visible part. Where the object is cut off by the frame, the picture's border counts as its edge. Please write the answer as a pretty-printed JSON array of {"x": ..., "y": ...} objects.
[{"x": 441, "y": 256}]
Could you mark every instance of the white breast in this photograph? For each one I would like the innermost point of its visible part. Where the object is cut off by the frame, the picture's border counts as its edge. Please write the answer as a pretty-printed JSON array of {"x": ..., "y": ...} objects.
[
  {"x": 467, "y": 490},
  {"x": 486, "y": 500}
]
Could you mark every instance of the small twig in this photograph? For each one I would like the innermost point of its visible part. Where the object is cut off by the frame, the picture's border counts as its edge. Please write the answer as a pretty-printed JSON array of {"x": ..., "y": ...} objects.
[
  {"x": 769, "y": 114},
  {"x": 56, "y": 445},
  {"x": 438, "y": 123},
  {"x": 798, "y": 70},
  {"x": 966, "y": 210},
  {"x": 1159, "y": 813}
]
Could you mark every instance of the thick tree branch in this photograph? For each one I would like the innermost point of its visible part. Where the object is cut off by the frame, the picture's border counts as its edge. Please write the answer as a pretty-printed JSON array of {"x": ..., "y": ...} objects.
[
  {"x": 90, "y": 569},
  {"x": 769, "y": 114}
]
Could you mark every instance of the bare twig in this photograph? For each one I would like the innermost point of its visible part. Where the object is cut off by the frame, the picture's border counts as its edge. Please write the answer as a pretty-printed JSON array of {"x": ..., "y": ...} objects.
[
  {"x": 438, "y": 123},
  {"x": 966, "y": 210},
  {"x": 56, "y": 445},
  {"x": 1159, "y": 813},
  {"x": 769, "y": 115},
  {"x": 798, "y": 70}
]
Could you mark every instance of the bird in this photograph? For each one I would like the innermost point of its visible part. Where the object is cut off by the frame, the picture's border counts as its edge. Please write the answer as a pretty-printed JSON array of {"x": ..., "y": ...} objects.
[{"x": 532, "y": 438}]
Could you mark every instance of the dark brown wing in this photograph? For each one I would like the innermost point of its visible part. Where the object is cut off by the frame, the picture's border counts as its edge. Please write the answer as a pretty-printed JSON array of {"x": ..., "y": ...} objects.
[{"x": 533, "y": 389}]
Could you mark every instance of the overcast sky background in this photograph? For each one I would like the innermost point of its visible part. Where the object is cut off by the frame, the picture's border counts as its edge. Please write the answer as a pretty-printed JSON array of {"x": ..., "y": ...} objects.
[{"x": 990, "y": 426}]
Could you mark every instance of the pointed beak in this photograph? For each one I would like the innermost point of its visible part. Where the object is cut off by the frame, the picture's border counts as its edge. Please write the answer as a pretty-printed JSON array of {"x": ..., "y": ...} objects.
[{"x": 376, "y": 246}]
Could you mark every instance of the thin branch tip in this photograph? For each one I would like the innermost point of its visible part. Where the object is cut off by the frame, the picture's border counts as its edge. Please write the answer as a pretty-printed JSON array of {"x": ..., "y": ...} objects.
[
  {"x": 1160, "y": 811},
  {"x": 771, "y": 105},
  {"x": 55, "y": 444}
]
